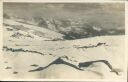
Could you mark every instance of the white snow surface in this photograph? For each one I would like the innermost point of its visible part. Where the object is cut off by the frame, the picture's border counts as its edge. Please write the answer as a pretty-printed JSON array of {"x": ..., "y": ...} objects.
[{"x": 21, "y": 62}]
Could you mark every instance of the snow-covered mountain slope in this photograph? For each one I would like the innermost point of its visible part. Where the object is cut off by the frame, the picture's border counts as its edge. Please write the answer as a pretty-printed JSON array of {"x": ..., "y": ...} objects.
[
  {"x": 80, "y": 42},
  {"x": 18, "y": 30},
  {"x": 27, "y": 47},
  {"x": 110, "y": 48}
]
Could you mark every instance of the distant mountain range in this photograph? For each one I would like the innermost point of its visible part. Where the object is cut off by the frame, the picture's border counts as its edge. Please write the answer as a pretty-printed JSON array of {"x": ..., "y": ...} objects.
[
  {"x": 74, "y": 21},
  {"x": 71, "y": 29}
]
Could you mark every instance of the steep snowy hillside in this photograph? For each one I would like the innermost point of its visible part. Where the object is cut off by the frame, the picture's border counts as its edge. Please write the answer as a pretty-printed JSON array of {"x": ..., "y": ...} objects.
[
  {"x": 18, "y": 30},
  {"x": 74, "y": 28}
]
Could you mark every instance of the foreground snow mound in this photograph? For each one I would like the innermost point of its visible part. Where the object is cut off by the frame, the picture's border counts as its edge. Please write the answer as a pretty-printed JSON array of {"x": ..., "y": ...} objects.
[{"x": 19, "y": 54}]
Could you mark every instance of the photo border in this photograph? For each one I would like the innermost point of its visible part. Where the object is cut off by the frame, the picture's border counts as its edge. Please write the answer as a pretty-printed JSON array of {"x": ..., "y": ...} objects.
[{"x": 69, "y": 1}]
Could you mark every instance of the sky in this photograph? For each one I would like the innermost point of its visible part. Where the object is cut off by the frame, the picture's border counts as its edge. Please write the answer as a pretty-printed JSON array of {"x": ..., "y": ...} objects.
[{"x": 112, "y": 14}]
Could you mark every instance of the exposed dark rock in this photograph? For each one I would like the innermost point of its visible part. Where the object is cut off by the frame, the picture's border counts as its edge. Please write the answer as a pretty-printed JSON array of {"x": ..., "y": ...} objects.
[
  {"x": 81, "y": 64},
  {"x": 21, "y": 50},
  {"x": 15, "y": 72},
  {"x": 57, "y": 61},
  {"x": 86, "y": 64},
  {"x": 92, "y": 46},
  {"x": 8, "y": 68},
  {"x": 35, "y": 65}
]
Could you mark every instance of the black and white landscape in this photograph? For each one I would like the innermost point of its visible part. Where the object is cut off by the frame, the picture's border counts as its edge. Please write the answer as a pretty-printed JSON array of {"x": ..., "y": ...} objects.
[{"x": 63, "y": 41}]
